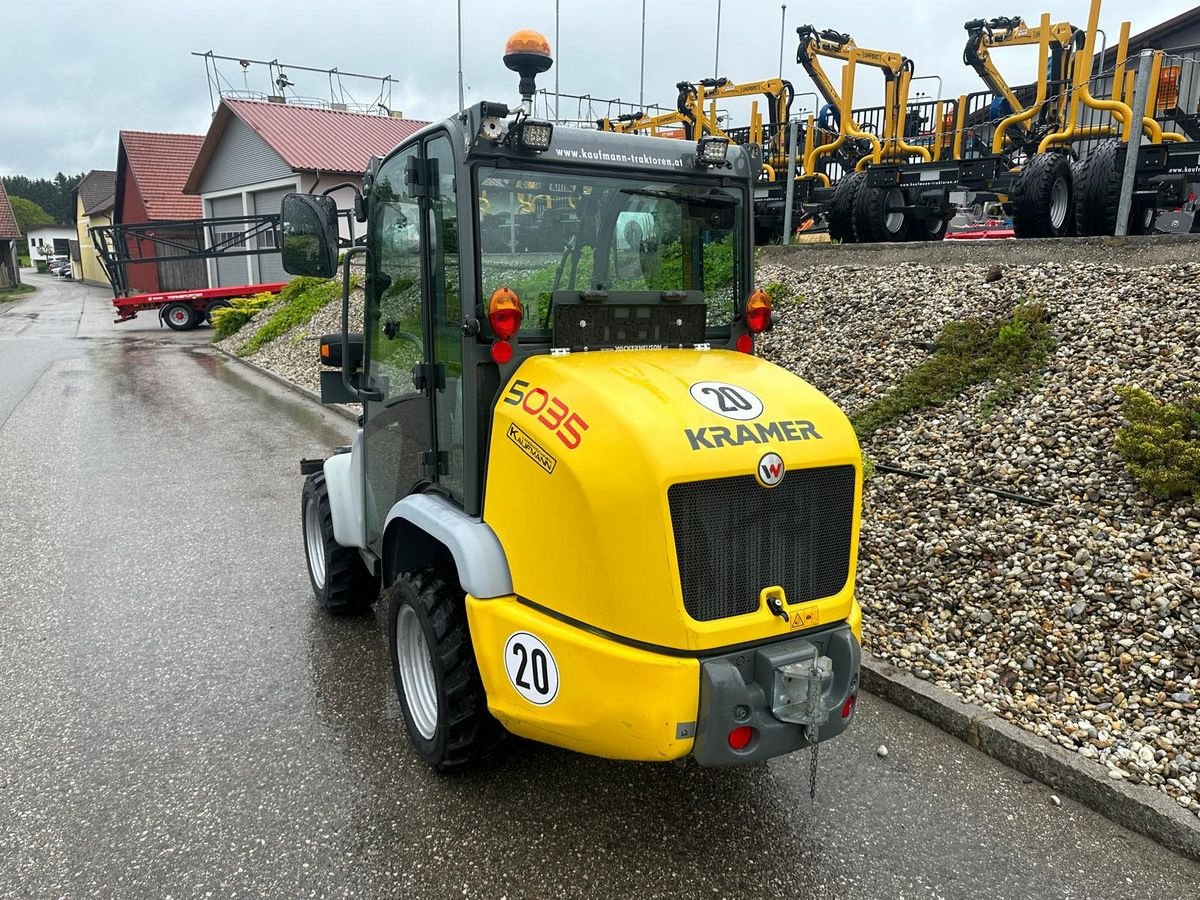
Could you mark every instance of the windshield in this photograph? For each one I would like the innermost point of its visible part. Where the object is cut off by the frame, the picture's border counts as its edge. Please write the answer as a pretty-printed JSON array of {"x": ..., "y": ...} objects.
[{"x": 541, "y": 232}]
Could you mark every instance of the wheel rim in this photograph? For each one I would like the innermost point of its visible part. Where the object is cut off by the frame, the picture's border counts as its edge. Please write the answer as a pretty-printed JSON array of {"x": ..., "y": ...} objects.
[
  {"x": 179, "y": 316},
  {"x": 416, "y": 672},
  {"x": 1060, "y": 199},
  {"x": 895, "y": 218},
  {"x": 314, "y": 542}
]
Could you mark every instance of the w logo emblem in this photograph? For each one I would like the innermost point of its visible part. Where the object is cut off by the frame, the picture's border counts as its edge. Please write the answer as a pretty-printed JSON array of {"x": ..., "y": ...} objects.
[{"x": 770, "y": 470}]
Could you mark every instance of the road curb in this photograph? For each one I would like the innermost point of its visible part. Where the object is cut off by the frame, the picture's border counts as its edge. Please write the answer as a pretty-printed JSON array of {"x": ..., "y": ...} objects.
[
  {"x": 290, "y": 385},
  {"x": 1137, "y": 807}
]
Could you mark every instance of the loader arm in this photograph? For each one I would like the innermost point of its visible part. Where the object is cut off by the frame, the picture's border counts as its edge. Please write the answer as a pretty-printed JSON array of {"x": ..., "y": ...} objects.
[
  {"x": 1061, "y": 41},
  {"x": 897, "y": 73}
]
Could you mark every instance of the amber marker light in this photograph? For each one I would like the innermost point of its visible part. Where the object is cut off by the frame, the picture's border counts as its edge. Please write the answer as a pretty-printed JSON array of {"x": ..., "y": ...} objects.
[
  {"x": 505, "y": 313},
  {"x": 758, "y": 312}
]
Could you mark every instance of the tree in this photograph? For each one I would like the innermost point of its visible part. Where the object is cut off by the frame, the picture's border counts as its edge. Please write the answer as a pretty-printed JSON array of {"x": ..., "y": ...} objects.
[
  {"x": 56, "y": 196},
  {"x": 28, "y": 214}
]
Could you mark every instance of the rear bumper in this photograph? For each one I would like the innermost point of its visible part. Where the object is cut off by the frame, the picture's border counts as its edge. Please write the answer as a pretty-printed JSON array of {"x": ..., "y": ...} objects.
[
  {"x": 622, "y": 702},
  {"x": 736, "y": 691}
]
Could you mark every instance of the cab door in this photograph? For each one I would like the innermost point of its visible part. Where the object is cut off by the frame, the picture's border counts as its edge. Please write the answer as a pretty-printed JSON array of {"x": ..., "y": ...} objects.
[
  {"x": 413, "y": 437},
  {"x": 397, "y": 435}
]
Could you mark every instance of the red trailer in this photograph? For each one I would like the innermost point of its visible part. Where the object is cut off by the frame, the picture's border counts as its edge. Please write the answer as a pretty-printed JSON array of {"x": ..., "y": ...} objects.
[
  {"x": 133, "y": 248},
  {"x": 182, "y": 310}
]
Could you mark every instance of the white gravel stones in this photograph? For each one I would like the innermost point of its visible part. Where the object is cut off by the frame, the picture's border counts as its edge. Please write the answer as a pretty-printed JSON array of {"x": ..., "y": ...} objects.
[
  {"x": 1076, "y": 616},
  {"x": 882, "y": 752}
]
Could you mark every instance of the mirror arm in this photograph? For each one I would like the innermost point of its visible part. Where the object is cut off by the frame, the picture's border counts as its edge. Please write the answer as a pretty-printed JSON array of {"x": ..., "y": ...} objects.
[
  {"x": 363, "y": 395},
  {"x": 360, "y": 204}
]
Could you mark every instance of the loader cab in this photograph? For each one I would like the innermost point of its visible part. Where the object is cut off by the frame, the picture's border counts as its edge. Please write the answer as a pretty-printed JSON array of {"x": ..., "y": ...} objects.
[{"x": 598, "y": 242}]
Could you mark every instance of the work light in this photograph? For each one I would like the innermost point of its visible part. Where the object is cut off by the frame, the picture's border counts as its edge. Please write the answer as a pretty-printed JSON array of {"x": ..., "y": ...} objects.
[
  {"x": 533, "y": 134},
  {"x": 711, "y": 151}
]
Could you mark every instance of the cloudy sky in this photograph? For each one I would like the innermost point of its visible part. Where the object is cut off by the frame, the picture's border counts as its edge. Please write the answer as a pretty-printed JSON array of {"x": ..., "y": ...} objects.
[{"x": 80, "y": 71}]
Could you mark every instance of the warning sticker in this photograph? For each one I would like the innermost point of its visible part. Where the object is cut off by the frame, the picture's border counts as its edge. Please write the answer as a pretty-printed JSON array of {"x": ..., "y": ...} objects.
[{"x": 532, "y": 449}]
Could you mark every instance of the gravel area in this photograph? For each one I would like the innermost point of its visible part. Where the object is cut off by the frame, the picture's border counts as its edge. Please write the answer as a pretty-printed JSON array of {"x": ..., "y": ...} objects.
[
  {"x": 1075, "y": 611},
  {"x": 294, "y": 354}
]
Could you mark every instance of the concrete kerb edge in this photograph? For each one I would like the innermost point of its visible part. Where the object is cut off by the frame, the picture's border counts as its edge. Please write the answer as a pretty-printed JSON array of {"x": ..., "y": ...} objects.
[
  {"x": 289, "y": 384},
  {"x": 1139, "y": 808}
]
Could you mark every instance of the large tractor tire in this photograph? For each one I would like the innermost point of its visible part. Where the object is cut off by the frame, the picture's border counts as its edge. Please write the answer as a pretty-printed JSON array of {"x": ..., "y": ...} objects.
[
  {"x": 841, "y": 207},
  {"x": 879, "y": 217},
  {"x": 340, "y": 579},
  {"x": 437, "y": 679},
  {"x": 1043, "y": 197},
  {"x": 1098, "y": 194}
]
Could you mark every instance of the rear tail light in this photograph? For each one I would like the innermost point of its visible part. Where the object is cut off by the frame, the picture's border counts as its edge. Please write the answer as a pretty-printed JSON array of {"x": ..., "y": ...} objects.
[
  {"x": 745, "y": 343},
  {"x": 848, "y": 707},
  {"x": 505, "y": 313},
  {"x": 758, "y": 312},
  {"x": 740, "y": 737}
]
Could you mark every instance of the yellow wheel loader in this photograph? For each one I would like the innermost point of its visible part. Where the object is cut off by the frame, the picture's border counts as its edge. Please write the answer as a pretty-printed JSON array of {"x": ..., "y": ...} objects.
[{"x": 600, "y": 520}]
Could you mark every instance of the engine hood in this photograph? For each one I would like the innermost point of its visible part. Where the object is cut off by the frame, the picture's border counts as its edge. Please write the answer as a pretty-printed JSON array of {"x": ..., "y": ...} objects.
[{"x": 584, "y": 449}]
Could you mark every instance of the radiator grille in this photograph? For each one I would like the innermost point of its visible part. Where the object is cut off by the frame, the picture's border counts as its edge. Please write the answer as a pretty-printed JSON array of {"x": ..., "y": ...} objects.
[{"x": 733, "y": 538}]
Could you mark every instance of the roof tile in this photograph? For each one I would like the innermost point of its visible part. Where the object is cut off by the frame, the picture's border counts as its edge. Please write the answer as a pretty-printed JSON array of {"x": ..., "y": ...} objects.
[
  {"x": 8, "y": 222},
  {"x": 160, "y": 164},
  {"x": 97, "y": 190},
  {"x": 312, "y": 139}
]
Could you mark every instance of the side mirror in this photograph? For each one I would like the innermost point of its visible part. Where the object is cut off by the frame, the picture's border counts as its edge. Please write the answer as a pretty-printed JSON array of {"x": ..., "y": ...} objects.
[{"x": 310, "y": 235}]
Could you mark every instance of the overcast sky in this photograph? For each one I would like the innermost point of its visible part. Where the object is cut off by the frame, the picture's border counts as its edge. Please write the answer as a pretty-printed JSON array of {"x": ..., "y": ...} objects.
[{"x": 75, "y": 75}]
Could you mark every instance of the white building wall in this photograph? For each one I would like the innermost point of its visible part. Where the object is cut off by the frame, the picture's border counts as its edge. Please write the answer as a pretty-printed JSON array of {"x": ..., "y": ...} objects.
[{"x": 41, "y": 240}]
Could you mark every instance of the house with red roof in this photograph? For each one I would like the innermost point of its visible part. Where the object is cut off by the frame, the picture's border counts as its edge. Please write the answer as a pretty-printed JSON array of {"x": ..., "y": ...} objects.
[
  {"x": 10, "y": 274},
  {"x": 257, "y": 151},
  {"x": 151, "y": 170}
]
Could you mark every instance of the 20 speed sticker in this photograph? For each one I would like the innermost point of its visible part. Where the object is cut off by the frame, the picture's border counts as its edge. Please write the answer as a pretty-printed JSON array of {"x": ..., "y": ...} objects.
[
  {"x": 531, "y": 668},
  {"x": 727, "y": 400}
]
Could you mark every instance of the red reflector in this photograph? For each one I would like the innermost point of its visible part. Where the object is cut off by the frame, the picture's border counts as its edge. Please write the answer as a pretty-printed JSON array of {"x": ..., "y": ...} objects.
[
  {"x": 848, "y": 707},
  {"x": 502, "y": 352},
  {"x": 740, "y": 737},
  {"x": 745, "y": 343}
]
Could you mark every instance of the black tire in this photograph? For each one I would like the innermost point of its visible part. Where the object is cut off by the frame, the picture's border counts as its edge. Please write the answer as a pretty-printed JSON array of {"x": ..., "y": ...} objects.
[
  {"x": 927, "y": 229},
  {"x": 841, "y": 207},
  {"x": 179, "y": 316},
  {"x": 1043, "y": 197},
  {"x": 461, "y": 731},
  {"x": 1142, "y": 217},
  {"x": 876, "y": 219},
  {"x": 1098, "y": 191},
  {"x": 340, "y": 579},
  {"x": 217, "y": 304}
]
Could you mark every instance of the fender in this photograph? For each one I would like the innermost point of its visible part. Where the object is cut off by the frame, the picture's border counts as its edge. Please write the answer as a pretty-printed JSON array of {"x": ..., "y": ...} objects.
[
  {"x": 415, "y": 527},
  {"x": 344, "y": 481}
]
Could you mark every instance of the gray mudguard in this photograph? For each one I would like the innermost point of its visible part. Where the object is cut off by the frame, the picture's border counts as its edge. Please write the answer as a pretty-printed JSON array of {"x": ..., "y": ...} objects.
[
  {"x": 482, "y": 566},
  {"x": 344, "y": 481}
]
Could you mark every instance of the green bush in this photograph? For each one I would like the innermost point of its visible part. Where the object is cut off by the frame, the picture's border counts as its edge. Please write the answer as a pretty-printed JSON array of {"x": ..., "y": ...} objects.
[
  {"x": 778, "y": 292},
  {"x": 301, "y": 300},
  {"x": 229, "y": 319},
  {"x": 1160, "y": 442},
  {"x": 1010, "y": 352}
]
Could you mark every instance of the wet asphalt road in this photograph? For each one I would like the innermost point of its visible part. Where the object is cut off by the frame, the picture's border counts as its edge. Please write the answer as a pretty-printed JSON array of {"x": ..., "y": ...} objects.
[{"x": 177, "y": 720}]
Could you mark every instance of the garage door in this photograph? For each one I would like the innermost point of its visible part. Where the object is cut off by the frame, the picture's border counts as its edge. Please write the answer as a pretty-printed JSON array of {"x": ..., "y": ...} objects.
[
  {"x": 231, "y": 271},
  {"x": 270, "y": 268}
]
